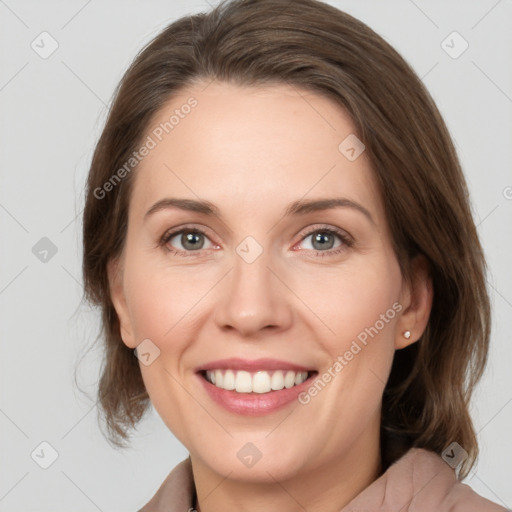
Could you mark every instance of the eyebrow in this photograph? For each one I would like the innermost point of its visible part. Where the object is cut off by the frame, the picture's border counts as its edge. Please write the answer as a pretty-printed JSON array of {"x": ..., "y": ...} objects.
[
  {"x": 303, "y": 207},
  {"x": 300, "y": 207}
]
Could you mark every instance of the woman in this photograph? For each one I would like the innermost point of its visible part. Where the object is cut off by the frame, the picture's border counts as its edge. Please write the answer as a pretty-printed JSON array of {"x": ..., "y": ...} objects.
[{"x": 277, "y": 226}]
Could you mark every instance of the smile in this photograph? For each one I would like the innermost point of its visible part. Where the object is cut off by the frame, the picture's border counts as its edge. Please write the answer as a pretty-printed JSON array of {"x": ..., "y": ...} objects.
[
  {"x": 254, "y": 387},
  {"x": 260, "y": 381}
]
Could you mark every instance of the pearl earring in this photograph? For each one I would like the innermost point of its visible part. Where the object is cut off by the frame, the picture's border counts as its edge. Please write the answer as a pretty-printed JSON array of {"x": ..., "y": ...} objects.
[{"x": 406, "y": 334}]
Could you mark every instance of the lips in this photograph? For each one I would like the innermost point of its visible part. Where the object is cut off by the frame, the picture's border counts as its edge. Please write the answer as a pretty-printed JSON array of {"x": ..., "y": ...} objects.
[
  {"x": 254, "y": 387},
  {"x": 255, "y": 365}
]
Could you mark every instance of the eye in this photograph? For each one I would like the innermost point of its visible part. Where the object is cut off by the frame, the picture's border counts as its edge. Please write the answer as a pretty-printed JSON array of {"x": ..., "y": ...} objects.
[
  {"x": 186, "y": 240},
  {"x": 191, "y": 241},
  {"x": 327, "y": 241}
]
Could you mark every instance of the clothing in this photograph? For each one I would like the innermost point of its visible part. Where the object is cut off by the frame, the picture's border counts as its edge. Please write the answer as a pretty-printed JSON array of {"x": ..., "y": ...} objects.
[{"x": 420, "y": 481}]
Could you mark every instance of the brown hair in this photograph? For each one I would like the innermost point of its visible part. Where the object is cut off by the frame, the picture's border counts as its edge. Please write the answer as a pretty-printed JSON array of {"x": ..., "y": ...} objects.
[{"x": 314, "y": 46}]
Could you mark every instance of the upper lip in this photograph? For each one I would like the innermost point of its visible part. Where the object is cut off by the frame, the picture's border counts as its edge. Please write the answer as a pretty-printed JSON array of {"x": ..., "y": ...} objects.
[{"x": 236, "y": 363}]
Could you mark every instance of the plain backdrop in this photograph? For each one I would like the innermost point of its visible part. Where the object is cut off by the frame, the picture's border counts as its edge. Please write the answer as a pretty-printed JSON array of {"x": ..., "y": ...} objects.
[{"x": 52, "y": 111}]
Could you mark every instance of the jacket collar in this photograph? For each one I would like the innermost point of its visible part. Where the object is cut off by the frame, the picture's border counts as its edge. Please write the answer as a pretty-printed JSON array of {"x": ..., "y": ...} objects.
[{"x": 420, "y": 480}]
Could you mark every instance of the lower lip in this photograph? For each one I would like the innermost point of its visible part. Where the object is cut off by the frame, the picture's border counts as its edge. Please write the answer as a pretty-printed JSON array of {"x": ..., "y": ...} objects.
[{"x": 254, "y": 404}]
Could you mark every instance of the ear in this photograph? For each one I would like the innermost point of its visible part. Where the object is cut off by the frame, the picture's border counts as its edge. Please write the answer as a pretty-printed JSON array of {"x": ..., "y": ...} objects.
[
  {"x": 416, "y": 299},
  {"x": 115, "y": 279}
]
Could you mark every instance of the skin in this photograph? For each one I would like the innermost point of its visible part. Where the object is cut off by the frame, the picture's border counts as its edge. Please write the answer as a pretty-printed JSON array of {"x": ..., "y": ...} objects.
[{"x": 251, "y": 151}]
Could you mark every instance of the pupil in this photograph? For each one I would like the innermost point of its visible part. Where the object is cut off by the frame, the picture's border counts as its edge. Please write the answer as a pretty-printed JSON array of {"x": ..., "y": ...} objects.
[
  {"x": 322, "y": 238},
  {"x": 189, "y": 241}
]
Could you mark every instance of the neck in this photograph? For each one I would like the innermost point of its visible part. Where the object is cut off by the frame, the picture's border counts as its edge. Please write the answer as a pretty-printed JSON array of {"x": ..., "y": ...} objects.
[{"x": 327, "y": 487}]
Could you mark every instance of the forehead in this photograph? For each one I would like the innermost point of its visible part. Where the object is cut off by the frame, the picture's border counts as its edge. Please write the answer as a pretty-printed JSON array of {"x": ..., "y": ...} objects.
[{"x": 261, "y": 144}]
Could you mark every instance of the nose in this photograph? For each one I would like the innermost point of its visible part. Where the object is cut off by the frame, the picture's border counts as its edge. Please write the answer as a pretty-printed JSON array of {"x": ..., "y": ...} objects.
[{"x": 254, "y": 299}]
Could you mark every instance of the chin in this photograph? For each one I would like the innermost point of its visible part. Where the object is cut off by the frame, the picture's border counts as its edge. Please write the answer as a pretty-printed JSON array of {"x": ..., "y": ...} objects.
[{"x": 255, "y": 461}]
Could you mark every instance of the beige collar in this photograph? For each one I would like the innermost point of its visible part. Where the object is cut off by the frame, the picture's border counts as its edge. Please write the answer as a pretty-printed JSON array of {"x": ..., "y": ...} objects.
[{"x": 420, "y": 481}]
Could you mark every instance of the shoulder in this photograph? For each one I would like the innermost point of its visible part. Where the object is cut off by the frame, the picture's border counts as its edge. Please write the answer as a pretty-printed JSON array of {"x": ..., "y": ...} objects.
[
  {"x": 462, "y": 497},
  {"x": 177, "y": 492},
  {"x": 420, "y": 480}
]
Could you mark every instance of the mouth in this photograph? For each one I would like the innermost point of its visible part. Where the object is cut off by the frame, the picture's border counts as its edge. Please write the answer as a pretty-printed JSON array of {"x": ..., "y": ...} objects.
[
  {"x": 254, "y": 387},
  {"x": 260, "y": 382}
]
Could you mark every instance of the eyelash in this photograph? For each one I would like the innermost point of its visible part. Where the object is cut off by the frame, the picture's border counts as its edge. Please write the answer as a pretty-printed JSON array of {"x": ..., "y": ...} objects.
[{"x": 347, "y": 242}]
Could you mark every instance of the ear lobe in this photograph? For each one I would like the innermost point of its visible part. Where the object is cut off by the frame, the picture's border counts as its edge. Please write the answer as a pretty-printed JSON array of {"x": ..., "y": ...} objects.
[
  {"x": 417, "y": 296},
  {"x": 115, "y": 279}
]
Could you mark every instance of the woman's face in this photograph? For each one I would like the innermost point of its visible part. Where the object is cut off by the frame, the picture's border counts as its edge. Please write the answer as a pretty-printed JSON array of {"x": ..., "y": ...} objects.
[{"x": 276, "y": 285}]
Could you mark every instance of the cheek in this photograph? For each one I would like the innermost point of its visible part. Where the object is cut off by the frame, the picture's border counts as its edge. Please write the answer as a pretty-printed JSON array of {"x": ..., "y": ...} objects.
[
  {"x": 356, "y": 302},
  {"x": 159, "y": 298},
  {"x": 360, "y": 306},
  {"x": 161, "y": 305}
]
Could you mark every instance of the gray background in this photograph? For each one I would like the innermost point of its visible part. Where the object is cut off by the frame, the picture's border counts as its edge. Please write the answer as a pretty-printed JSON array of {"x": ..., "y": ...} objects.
[{"x": 52, "y": 111}]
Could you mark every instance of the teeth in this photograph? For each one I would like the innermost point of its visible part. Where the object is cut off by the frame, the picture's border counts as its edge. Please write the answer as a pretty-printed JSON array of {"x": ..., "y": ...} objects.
[
  {"x": 277, "y": 381},
  {"x": 243, "y": 382},
  {"x": 258, "y": 382},
  {"x": 226, "y": 382},
  {"x": 289, "y": 379},
  {"x": 261, "y": 382}
]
